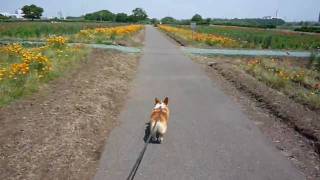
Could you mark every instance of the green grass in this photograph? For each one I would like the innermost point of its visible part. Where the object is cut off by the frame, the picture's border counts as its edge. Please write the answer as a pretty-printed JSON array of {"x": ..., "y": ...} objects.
[
  {"x": 264, "y": 38},
  {"x": 36, "y": 30}
]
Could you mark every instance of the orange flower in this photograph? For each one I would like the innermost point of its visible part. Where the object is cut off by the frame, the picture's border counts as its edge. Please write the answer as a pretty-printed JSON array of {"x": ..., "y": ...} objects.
[{"x": 200, "y": 37}]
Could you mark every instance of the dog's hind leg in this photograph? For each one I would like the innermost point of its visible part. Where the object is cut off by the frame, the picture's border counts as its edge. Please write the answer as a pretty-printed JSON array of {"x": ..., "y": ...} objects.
[
  {"x": 160, "y": 138},
  {"x": 153, "y": 131}
]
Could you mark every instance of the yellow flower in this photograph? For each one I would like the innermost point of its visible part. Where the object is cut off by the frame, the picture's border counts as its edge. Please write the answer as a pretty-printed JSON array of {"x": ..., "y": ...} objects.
[
  {"x": 57, "y": 41},
  {"x": 110, "y": 31},
  {"x": 200, "y": 37}
]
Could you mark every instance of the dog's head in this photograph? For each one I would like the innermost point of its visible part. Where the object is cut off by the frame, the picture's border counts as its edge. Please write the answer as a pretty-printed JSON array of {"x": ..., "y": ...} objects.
[{"x": 160, "y": 105}]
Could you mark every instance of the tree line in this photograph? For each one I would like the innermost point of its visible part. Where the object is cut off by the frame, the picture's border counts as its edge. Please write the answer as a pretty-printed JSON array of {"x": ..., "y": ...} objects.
[
  {"x": 254, "y": 22},
  {"x": 138, "y": 15}
]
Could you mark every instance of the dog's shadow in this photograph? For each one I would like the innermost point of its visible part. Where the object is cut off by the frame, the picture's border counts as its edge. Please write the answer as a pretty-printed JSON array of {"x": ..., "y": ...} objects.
[{"x": 147, "y": 133}]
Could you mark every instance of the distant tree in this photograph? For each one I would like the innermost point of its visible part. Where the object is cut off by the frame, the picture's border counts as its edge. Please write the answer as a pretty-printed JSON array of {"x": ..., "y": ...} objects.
[
  {"x": 103, "y": 15},
  {"x": 2, "y": 17},
  {"x": 138, "y": 14},
  {"x": 32, "y": 11},
  {"x": 196, "y": 18},
  {"x": 253, "y": 22},
  {"x": 208, "y": 21},
  {"x": 168, "y": 20},
  {"x": 154, "y": 21},
  {"x": 184, "y": 22},
  {"x": 121, "y": 17},
  {"x": 75, "y": 18}
]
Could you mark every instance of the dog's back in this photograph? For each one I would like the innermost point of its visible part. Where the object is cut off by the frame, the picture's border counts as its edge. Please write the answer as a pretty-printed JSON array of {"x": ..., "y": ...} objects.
[{"x": 159, "y": 119}]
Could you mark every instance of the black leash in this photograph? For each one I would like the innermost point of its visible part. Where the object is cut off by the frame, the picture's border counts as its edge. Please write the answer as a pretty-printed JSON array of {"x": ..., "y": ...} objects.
[{"x": 138, "y": 161}]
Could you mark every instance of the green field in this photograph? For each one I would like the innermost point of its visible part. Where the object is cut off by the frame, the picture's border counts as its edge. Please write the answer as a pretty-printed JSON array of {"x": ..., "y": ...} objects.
[
  {"x": 264, "y": 38},
  {"x": 36, "y": 30}
]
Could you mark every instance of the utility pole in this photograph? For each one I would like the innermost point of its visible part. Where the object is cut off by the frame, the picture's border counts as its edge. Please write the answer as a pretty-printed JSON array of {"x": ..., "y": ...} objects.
[{"x": 277, "y": 11}]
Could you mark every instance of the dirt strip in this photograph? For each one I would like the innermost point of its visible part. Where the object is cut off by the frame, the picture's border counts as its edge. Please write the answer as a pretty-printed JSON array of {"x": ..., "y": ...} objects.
[
  {"x": 59, "y": 132},
  {"x": 299, "y": 117}
]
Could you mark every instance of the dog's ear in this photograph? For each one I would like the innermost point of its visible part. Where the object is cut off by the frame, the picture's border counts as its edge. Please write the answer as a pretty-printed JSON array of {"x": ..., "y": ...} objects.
[
  {"x": 166, "y": 101},
  {"x": 156, "y": 101}
]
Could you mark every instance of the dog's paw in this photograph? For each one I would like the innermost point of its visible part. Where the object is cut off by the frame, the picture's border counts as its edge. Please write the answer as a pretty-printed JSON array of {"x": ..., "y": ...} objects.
[
  {"x": 154, "y": 139},
  {"x": 161, "y": 140}
]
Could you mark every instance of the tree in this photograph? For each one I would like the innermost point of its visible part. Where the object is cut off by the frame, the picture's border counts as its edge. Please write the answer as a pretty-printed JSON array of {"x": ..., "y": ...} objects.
[
  {"x": 208, "y": 21},
  {"x": 138, "y": 14},
  {"x": 196, "y": 18},
  {"x": 121, "y": 17},
  {"x": 103, "y": 15},
  {"x": 32, "y": 11},
  {"x": 168, "y": 20}
]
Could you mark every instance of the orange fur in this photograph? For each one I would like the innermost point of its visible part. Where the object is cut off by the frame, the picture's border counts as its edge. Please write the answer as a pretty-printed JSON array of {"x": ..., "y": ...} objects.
[
  {"x": 159, "y": 118},
  {"x": 160, "y": 115}
]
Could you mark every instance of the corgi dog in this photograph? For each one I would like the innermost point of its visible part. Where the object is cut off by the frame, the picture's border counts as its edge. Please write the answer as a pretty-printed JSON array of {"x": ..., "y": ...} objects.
[{"x": 159, "y": 119}]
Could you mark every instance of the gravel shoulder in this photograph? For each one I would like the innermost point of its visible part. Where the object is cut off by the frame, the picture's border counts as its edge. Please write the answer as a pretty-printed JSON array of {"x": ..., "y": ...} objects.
[{"x": 59, "y": 132}]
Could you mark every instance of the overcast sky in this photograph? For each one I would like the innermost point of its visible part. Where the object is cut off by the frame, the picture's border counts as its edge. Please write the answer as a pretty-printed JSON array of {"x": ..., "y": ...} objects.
[{"x": 291, "y": 10}]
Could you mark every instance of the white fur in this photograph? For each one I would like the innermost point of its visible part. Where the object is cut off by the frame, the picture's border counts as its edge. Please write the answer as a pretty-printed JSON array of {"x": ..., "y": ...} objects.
[
  {"x": 160, "y": 127},
  {"x": 160, "y": 105}
]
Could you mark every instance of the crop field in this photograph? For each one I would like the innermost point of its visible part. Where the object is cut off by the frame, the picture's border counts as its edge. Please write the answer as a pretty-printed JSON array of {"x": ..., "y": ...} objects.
[
  {"x": 104, "y": 33},
  {"x": 209, "y": 39},
  {"x": 265, "y": 39},
  {"x": 36, "y": 30},
  {"x": 24, "y": 69},
  {"x": 249, "y": 38}
]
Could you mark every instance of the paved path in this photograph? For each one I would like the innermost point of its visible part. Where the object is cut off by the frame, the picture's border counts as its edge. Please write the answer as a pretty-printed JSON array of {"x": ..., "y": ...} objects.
[{"x": 208, "y": 136}]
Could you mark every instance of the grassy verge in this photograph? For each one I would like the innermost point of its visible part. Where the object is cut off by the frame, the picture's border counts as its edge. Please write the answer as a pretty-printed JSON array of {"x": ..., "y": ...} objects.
[
  {"x": 24, "y": 70},
  {"x": 298, "y": 82}
]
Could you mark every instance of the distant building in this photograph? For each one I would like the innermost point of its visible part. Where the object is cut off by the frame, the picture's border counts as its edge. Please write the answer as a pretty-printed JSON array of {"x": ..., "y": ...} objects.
[
  {"x": 319, "y": 18},
  {"x": 17, "y": 15}
]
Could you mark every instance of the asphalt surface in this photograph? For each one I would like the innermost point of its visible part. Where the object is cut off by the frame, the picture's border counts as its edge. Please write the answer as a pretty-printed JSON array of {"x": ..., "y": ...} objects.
[{"x": 208, "y": 136}]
